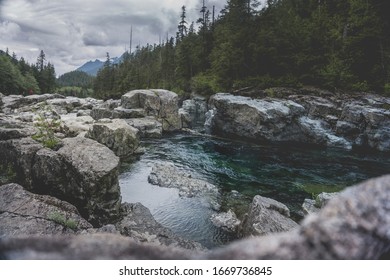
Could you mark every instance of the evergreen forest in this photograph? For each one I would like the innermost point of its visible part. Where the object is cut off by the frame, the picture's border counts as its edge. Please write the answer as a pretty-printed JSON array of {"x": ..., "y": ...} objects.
[{"x": 332, "y": 44}]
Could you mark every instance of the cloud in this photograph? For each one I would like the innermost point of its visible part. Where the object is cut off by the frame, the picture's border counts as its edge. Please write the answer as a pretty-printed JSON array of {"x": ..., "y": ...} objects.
[{"x": 72, "y": 32}]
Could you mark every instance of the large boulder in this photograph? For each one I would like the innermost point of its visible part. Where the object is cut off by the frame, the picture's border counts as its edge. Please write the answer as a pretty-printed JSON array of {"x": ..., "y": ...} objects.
[
  {"x": 255, "y": 119},
  {"x": 138, "y": 223},
  {"x": 92, "y": 175},
  {"x": 162, "y": 104},
  {"x": 24, "y": 213},
  {"x": 117, "y": 135},
  {"x": 267, "y": 216}
]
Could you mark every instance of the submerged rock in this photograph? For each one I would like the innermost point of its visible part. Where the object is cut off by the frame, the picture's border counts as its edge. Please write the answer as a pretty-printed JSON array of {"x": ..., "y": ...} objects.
[
  {"x": 167, "y": 175},
  {"x": 267, "y": 216},
  {"x": 24, "y": 213},
  {"x": 138, "y": 223}
]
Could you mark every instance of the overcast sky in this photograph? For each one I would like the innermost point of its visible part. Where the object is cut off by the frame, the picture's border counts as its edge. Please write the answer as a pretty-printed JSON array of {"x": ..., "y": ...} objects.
[{"x": 72, "y": 32}]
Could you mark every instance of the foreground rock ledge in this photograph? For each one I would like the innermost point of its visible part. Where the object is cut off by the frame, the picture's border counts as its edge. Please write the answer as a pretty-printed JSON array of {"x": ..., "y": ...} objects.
[{"x": 353, "y": 225}]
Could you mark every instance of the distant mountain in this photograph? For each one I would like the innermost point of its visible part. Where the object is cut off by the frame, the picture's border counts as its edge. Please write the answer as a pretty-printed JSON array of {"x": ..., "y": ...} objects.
[{"x": 92, "y": 67}]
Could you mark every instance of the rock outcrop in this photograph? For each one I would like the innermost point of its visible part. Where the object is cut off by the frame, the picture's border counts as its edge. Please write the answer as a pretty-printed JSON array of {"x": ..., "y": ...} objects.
[
  {"x": 353, "y": 225},
  {"x": 333, "y": 121},
  {"x": 23, "y": 213},
  {"x": 266, "y": 216},
  {"x": 228, "y": 221}
]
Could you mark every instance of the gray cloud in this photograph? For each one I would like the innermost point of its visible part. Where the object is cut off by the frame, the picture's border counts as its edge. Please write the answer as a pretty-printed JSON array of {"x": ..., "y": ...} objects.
[{"x": 72, "y": 32}]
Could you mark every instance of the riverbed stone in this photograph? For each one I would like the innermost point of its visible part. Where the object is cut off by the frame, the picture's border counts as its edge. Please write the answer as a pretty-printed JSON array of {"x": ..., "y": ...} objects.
[
  {"x": 138, "y": 223},
  {"x": 117, "y": 135},
  {"x": 25, "y": 213},
  {"x": 167, "y": 175},
  {"x": 226, "y": 220},
  {"x": 267, "y": 216}
]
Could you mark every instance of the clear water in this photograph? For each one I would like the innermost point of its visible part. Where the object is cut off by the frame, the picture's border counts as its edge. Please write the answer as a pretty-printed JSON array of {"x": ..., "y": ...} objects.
[{"x": 241, "y": 171}]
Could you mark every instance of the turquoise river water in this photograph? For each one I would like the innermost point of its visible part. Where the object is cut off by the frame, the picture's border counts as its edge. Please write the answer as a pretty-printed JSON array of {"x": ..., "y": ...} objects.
[{"x": 240, "y": 170}]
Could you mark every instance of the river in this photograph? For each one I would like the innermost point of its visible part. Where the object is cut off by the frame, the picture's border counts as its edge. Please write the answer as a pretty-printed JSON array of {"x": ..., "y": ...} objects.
[{"x": 240, "y": 170}]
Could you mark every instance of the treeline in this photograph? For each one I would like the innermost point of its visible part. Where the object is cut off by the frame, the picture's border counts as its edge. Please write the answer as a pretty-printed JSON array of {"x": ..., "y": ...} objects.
[
  {"x": 326, "y": 43},
  {"x": 20, "y": 77}
]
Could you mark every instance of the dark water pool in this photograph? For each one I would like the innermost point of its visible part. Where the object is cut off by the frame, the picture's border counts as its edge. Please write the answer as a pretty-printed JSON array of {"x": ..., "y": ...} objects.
[{"x": 240, "y": 170}]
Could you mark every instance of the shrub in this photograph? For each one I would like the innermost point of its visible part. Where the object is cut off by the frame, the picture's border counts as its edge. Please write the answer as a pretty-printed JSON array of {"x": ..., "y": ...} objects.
[
  {"x": 48, "y": 124},
  {"x": 61, "y": 219}
]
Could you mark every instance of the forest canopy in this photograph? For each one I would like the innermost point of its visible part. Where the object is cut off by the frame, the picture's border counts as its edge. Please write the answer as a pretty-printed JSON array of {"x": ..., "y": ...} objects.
[{"x": 339, "y": 45}]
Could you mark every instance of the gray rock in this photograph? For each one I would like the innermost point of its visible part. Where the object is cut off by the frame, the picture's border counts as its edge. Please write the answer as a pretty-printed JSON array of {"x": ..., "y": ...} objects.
[
  {"x": 24, "y": 213},
  {"x": 226, "y": 220},
  {"x": 309, "y": 206},
  {"x": 117, "y": 136},
  {"x": 92, "y": 171},
  {"x": 122, "y": 113},
  {"x": 255, "y": 119},
  {"x": 73, "y": 125},
  {"x": 148, "y": 127},
  {"x": 167, "y": 175},
  {"x": 98, "y": 113},
  {"x": 323, "y": 198},
  {"x": 316, "y": 132},
  {"x": 19, "y": 153},
  {"x": 138, "y": 223},
  {"x": 193, "y": 112},
  {"x": 162, "y": 104},
  {"x": 267, "y": 216}
]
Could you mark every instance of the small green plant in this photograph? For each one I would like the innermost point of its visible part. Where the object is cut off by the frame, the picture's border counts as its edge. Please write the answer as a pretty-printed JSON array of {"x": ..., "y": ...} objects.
[
  {"x": 47, "y": 125},
  {"x": 61, "y": 219}
]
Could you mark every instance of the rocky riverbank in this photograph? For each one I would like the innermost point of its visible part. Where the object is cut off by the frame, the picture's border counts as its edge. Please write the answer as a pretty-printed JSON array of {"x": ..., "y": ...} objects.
[
  {"x": 314, "y": 117},
  {"x": 60, "y": 158}
]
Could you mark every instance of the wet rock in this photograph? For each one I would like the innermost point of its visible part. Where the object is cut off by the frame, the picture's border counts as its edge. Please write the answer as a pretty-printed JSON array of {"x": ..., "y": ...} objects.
[
  {"x": 117, "y": 135},
  {"x": 148, "y": 127},
  {"x": 226, "y": 220},
  {"x": 267, "y": 216},
  {"x": 316, "y": 132},
  {"x": 24, "y": 213},
  {"x": 167, "y": 175},
  {"x": 193, "y": 112},
  {"x": 139, "y": 224},
  {"x": 262, "y": 120}
]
